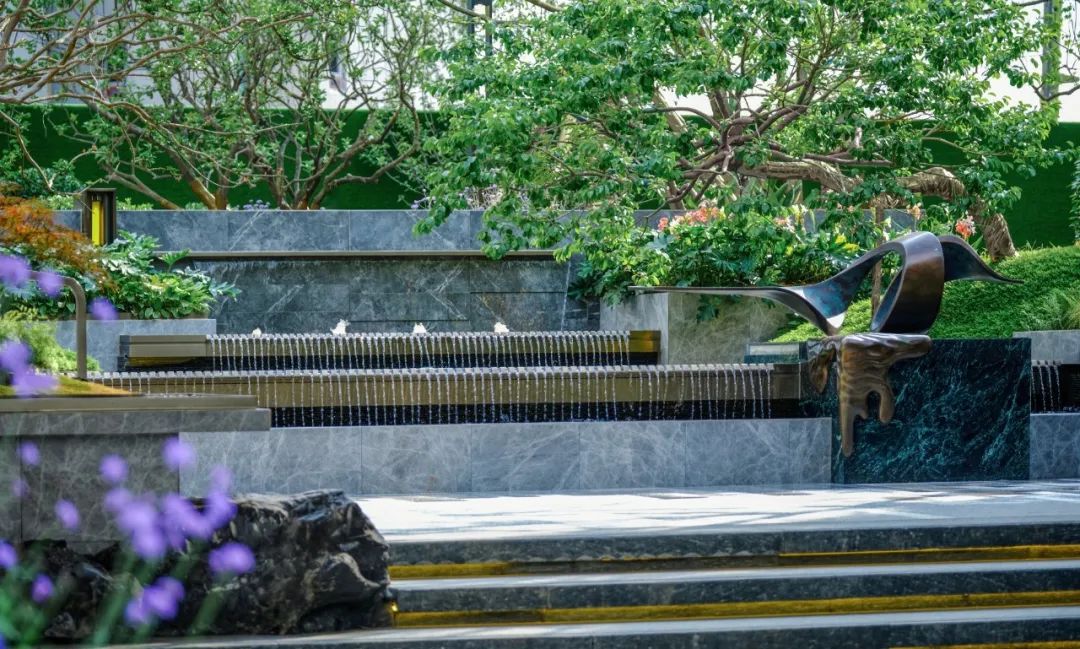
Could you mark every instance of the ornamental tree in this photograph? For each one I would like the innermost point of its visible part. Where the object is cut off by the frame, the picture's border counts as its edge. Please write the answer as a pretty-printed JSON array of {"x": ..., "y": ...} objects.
[
  {"x": 305, "y": 98},
  {"x": 79, "y": 50},
  {"x": 577, "y": 115}
]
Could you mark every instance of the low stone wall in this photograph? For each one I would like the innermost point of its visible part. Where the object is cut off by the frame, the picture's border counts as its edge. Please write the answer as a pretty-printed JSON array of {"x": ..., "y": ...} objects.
[
  {"x": 518, "y": 457},
  {"x": 72, "y": 435},
  {"x": 1060, "y": 346}
]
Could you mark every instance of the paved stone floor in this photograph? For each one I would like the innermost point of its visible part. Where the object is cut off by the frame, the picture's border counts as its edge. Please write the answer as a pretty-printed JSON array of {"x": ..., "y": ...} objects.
[{"x": 692, "y": 511}]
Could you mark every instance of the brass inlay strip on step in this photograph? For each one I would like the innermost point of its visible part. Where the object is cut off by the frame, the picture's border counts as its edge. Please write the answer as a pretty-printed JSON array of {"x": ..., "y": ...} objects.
[
  {"x": 785, "y": 559},
  {"x": 1045, "y": 644},
  {"x": 781, "y": 608}
]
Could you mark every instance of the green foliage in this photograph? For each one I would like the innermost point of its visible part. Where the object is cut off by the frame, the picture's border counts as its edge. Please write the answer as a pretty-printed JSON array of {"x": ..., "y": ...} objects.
[
  {"x": 45, "y": 353},
  {"x": 21, "y": 179},
  {"x": 1047, "y": 299},
  {"x": 568, "y": 121},
  {"x": 708, "y": 247},
  {"x": 138, "y": 286}
]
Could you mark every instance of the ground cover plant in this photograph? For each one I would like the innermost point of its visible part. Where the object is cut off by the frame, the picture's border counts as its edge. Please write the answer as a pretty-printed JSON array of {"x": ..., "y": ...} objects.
[{"x": 1046, "y": 300}]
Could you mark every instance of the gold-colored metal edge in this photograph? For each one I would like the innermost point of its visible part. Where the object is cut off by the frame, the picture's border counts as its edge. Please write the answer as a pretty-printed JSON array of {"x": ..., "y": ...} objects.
[
  {"x": 720, "y": 610},
  {"x": 781, "y": 560}
]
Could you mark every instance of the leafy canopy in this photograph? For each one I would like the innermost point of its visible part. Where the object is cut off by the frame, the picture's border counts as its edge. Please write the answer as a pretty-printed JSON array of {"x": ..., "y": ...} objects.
[{"x": 579, "y": 116}]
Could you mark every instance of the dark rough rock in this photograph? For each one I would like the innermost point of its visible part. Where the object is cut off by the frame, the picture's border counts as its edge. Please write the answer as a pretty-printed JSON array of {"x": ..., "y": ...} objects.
[{"x": 320, "y": 565}]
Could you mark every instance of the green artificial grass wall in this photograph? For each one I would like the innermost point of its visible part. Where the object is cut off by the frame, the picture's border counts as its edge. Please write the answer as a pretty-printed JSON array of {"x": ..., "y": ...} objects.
[
  {"x": 47, "y": 146},
  {"x": 1040, "y": 217},
  {"x": 985, "y": 309}
]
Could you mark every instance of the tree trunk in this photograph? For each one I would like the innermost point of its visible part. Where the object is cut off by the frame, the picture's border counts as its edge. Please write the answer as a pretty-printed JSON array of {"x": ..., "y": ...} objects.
[
  {"x": 875, "y": 292},
  {"x": 996, "y": 235}
]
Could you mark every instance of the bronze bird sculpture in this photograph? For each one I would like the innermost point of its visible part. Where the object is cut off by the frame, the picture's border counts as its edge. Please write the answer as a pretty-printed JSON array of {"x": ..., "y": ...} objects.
[{"x": 909, "y": 305}]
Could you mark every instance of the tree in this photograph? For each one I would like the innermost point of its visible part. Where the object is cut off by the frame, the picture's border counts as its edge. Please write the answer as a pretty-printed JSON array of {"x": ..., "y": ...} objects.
[
  {"x": 308, "y": 97},
  {"x": 584, "y": 113},
  {"x": 77, "y": 50}
]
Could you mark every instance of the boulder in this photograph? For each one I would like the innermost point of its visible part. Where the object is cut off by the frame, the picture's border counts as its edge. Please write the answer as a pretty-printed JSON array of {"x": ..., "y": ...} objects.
[{"x": 320, "y": 565}]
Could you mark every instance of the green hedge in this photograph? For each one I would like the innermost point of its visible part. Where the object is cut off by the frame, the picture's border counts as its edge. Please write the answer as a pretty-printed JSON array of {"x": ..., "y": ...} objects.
[
  {"x": 1040, "y": 218},
  {"x": 990, "y": 310}
]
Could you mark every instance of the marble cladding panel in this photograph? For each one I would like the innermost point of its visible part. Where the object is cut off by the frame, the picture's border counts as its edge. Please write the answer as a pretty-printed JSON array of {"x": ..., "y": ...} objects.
[
  {"x": 103, "y": 337},
  {"x": 757, "y": 451},
  {"x": 686, "y": 339},
  {"x": 69, "y": 470},
  {"x": 282, "y": 460},
  {"x": 533, "y": 457},
  {"x": 1055, "y": 446},
  {"x": 647, "y": 454},
  {"x": 415, "y": 459},
  {"x": 393, "y": 230},
  {"x": 961, "y": 413},
  {"x": 1060, "y": 346},
  {"x": 10, "y": 504},
  {"x": 298, "y": 296},
  {"x": 505, "y": 458}
]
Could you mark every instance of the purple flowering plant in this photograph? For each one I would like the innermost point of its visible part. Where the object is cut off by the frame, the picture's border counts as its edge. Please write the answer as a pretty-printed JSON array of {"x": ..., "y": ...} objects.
[{"x": 166, "y": 536}]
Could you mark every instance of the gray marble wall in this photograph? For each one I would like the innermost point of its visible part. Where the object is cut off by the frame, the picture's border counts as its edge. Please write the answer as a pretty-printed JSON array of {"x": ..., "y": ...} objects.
[
  {"x": 71, "y": 445},
  {"x": 684, "y": 338},
  {"x": 296, "y": 231},
  {"x": 1060, "y": 346},
  {"x": 297, "y": 296},
  {"x": 1055, "y": 446},
  {"x": 503, "y": 458},
  {"x": 103, "y": 337}
]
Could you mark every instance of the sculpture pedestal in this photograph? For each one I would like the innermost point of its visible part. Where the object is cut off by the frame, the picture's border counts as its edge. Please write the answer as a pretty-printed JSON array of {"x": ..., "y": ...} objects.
[{"x": 961, "y": 413}]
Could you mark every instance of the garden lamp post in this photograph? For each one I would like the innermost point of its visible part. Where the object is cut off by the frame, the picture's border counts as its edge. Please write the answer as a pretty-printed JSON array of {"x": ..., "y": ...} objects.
[{"x": 99, "y": 215}]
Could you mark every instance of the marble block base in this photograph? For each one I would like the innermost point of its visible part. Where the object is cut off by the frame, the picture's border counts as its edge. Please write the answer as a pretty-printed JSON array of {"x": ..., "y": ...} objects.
[
  {"x": 1055, "y": 446},
  {"x": 1059, "y": 346},
  {"x": 962, "y": 413},
  {"x": 506, "y": 458},
  {"x": 684, "y": 338}
]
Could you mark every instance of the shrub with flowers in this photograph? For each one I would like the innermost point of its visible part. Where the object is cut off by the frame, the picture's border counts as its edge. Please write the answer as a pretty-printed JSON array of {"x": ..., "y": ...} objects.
[
  {"x": 166, "y": 536},
  {"x": 711, "y": 247}
]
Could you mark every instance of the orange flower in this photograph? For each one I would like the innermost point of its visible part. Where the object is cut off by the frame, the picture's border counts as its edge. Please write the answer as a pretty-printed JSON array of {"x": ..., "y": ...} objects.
[
  {"x": 663, "y": 224},
  {"x": 965, "y": 227}
]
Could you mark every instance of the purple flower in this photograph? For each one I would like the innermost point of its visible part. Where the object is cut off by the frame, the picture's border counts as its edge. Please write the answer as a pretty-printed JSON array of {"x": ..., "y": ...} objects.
[
  {"x": 181, "y": 515},
  {"x": 29, "y": 383},
  {"x": 102, "y": 309},
  {"x": 29, "y": 453},
  {"x": 49, "y": 283},
  {"x": 148, "y": 543},
  {"x": 231, "y": 558},
  {"x": 219, "y": 509},
  {"x": 14, "y": 271},
  {"x": 136, "y": 613},
  {"x": 178, "y": 454},
  {"x": 117, "y": 499},
  {"x": 173, "y": 586},
  {"x": 14, "y": 356},
  {"x": 8, "y": 556},
  {"x": 19, "y": 488},
  {"x": 67, "y": 514},
  {"x": 160, "y": 601},
  {"x": 114, "y": 469},
  {"x": 42, "y": 589},
  {"x": 132, "y": 514}
]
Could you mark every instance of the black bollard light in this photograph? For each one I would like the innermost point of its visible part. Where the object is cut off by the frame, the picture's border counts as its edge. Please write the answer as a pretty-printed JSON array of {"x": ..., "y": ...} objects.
[{"x": 99, "y": 215}]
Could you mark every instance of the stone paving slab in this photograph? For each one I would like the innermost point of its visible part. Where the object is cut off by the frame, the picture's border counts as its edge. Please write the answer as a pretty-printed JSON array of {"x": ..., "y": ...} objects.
[{"x": 479, "y": 517}]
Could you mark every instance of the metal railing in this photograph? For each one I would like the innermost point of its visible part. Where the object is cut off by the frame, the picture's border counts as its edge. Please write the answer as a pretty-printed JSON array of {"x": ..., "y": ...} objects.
[{"x": 80, "y": 321}]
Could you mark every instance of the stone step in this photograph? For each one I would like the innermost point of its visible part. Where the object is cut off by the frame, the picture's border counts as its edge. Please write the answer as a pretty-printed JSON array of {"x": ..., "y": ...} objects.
[
  {"x": 1013, "y": 628},
  {"x": 734, "y": 593}
]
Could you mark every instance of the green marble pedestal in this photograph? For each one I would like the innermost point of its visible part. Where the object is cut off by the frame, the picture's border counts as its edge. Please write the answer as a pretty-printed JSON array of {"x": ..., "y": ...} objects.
[{"x": 962, "y": 413}]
